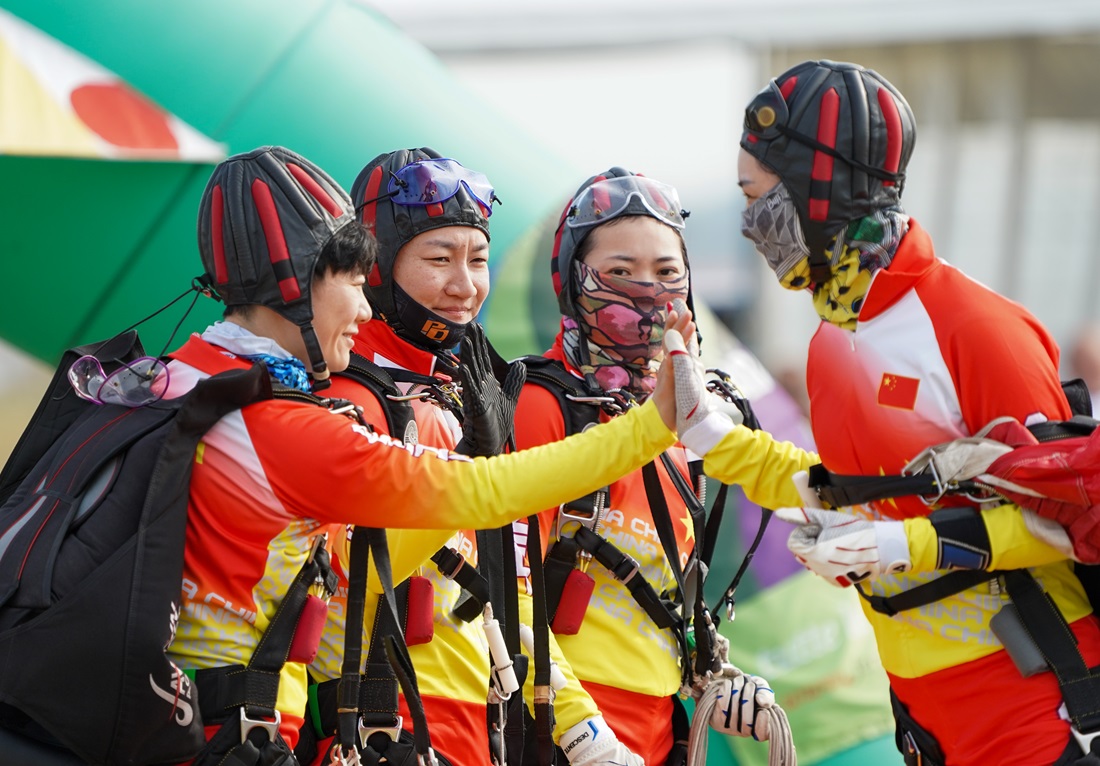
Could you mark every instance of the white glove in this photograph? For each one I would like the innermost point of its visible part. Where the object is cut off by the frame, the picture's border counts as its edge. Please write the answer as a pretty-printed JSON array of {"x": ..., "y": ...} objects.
[
  {"x": 702, "y": 418},
  {"x": 739, "y": 701},
  {"x": 845, "y": 549},
  {"x": 592, "y": 743}
]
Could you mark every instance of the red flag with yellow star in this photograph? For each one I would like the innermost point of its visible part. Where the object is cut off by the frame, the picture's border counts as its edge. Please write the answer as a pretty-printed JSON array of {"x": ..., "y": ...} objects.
[{"x": 898, "y": 391}]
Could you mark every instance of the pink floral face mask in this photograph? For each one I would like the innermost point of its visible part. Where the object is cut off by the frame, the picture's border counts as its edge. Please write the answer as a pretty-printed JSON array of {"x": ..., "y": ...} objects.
[{"x": 623, "y": 325}]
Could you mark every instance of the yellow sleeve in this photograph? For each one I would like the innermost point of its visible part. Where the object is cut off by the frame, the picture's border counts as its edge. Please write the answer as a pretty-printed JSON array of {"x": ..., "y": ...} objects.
[
  {"x": 418, "y": 487},
  {"x": 572, "y": 703},
  {"x": 340, "y": 472},
  {"x": 410, "y": 549},
  {"x": 1012, "y": 544},
  {"x": 760, "y": 465}
]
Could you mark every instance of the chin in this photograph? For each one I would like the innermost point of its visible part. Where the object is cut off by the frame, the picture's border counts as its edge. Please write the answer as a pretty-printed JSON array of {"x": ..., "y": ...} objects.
[{"x": 337, "y": 362}]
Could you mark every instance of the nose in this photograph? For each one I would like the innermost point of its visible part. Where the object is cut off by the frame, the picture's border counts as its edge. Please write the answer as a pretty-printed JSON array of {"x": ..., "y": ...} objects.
[
  {"x": 460, "y": 283},
  {"x": 363, "y": 313}
]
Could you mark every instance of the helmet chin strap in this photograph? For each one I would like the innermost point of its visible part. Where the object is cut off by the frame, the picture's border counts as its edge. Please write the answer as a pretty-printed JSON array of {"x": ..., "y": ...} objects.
[
  {"x": 423, "y": 328},
  {"x": 318, "y": 366}
]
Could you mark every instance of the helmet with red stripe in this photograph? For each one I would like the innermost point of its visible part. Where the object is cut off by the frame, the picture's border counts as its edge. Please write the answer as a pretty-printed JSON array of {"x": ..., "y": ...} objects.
[
  {"x": 839, "y": 136},
  {"x": 264, "y": 219},
  {"x": 394, "y": 223},
  {"x": 613, "y": 194}
]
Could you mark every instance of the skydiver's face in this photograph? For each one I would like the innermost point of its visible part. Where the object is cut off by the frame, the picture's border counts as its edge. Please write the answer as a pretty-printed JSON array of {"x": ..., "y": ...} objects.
[
  {"x": 446, "y": 271},
  {"x": 339, "y": 307},
  {"x": 754, "y": 179},
  {"x": 638, "y": 248}
]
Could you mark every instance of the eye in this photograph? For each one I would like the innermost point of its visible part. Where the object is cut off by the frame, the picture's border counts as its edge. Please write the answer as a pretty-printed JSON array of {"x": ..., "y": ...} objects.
[{"x": 669, "y": 272}]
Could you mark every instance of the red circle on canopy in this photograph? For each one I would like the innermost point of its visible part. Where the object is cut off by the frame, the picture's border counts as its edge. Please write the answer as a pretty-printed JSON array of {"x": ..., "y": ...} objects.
[{"x": 123, "y": 117}]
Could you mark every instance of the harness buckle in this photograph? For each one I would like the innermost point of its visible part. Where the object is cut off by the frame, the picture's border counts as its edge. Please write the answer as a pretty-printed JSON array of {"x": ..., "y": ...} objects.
[
  {"x": 248, "y": 724},
  {"x": 633, "y": 564},
  {"x": 453, "y": 571},
  {"x": 366, "y": 732},
  {"x": 1084, "y": 741},
  {"x": 568, "y": 514},
  {"x": 317, "y": 544}
]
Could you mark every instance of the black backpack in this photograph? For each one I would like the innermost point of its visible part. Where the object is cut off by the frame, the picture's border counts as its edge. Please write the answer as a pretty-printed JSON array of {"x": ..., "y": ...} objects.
[{"x": 93, "y": 508}]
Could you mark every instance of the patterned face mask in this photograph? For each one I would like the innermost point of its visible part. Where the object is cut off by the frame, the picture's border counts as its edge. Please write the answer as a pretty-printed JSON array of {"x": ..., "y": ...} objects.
[
  {"x": 623, "y": 326},
  {"x": 771, "y": 222}
]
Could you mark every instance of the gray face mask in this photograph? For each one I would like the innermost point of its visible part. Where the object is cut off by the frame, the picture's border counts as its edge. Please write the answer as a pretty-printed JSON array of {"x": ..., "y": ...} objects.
[{"x": 771, "y": 222}]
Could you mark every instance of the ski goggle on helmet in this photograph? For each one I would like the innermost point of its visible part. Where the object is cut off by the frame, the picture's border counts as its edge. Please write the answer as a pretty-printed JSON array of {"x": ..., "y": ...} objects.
[
  {"x": 427, "y": 182},
  {"x": 134, "y": 384},
  {"x": 607, "y": 199}
]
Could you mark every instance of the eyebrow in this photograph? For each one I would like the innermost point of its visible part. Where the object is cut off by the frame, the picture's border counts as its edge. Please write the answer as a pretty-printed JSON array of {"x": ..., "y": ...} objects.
[
  {"x": 447, "y": 244},
  {"x": 633, "y": 259}
]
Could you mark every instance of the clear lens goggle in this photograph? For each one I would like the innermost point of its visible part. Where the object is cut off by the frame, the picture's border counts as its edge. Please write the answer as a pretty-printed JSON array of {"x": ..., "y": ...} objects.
[
  {"x": 427, "y": 182},
  {"x": 134, "y": 384},
  {"x": 608, "y": 198}
]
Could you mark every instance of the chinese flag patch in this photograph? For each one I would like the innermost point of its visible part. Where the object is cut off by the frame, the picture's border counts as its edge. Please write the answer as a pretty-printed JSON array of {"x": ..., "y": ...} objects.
[{"x": 898, "y": 391}]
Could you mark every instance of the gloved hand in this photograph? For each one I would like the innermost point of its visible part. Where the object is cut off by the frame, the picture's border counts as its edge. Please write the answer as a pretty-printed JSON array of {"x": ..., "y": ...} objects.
[
  {"x": 592, "y": 743},
  {"x": 488, "y": 408},
  {"x": 845, "y": 549},
  {"x": 702, "y": 418},
  {"x": 739, "y": 701}
]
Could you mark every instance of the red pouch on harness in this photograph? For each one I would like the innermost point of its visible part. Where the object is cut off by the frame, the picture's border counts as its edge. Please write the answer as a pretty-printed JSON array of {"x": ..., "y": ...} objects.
[
  {"x": 420, "y": 618},
  {"x": 574, "y": 603},
  {"x": 307, "y": 633}
]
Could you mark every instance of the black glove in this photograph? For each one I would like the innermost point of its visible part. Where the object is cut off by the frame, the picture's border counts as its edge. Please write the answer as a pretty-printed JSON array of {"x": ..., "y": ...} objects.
[{"x": 488, "y": 408}]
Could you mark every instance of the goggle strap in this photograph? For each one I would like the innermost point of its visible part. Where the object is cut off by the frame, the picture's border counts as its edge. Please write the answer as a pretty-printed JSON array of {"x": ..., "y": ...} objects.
[{"x": 879, "y": 173}]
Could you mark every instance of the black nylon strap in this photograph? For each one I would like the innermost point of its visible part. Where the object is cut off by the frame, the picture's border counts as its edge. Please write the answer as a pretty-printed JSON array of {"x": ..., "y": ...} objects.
[
  {"x": 560, "y": 560},
  {"x": 714, "y": 522},
  {"x": 962, "y": 541},
  {"x": 347, "y": 694},
  {"x": 544, "y": 705},
  {"x": 662, "y": 521},
  {"x": 704, "y": 632},
  {"x": 453, "y": 566},
  {"x": 840, "y": 490},
  {"x": 379, "y": 678},
  {"x": 624, "y": 568},
  {"x": 514, "y": 733},
  {"x": 1046, "y": 625},
  {"x": 926, "y": 593}
]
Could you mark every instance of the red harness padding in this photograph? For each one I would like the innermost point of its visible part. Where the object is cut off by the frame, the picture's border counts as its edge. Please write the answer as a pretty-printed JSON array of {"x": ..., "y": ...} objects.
[{"x": 1058, "y": 479}]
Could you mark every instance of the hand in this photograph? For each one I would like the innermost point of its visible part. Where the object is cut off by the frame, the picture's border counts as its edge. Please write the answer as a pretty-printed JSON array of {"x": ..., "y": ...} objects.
[
  {"x": 679, "y": 321},
  {"x": 843, "y": 548},
  {"x": 488, "y": 408},
  {"x": 592, "y": 743},
  {"x": 739, "y": 702},
  {"x": 701, "y": 417}
]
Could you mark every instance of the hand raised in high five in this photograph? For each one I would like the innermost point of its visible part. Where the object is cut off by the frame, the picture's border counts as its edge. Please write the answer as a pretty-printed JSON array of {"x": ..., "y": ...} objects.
[
  {"x": 488, "y": 408},
  {"x": 701, "y": 417}
]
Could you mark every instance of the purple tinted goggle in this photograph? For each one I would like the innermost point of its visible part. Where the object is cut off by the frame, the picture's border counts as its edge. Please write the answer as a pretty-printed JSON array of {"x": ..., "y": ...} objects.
[
  {"x": 427, "y": 182},
  {"x": 134, "y": 384}
]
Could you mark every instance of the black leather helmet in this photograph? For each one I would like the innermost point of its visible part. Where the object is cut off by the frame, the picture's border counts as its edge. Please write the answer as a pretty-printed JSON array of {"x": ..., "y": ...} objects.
[
  {"x": 264, "y": 219},
  {"x": 839, "y": 136}
]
